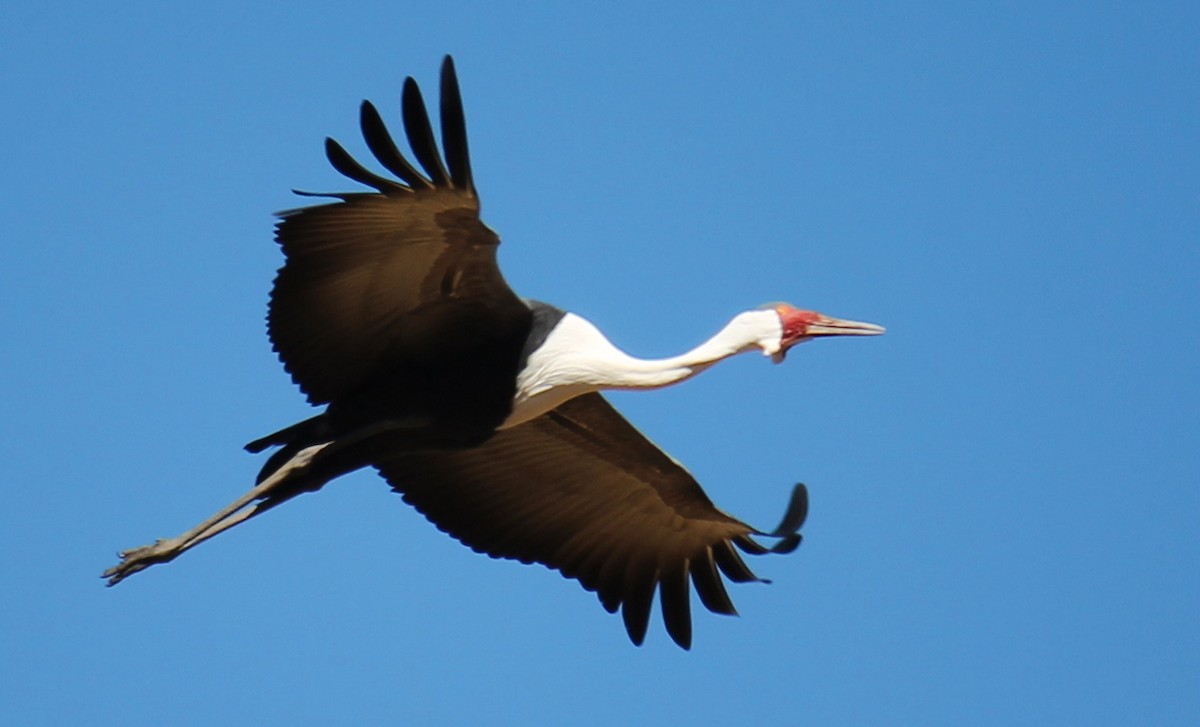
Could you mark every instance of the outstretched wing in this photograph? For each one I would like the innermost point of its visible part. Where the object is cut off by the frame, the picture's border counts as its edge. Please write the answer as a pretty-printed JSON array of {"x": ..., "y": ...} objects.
[
  {"x": 580, "y": 490},
  {"x": 405, "y": 275}
]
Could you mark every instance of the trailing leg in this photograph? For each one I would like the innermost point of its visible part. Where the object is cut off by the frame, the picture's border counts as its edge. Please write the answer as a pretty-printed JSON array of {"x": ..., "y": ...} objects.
[{"x": 262, "y": 497}]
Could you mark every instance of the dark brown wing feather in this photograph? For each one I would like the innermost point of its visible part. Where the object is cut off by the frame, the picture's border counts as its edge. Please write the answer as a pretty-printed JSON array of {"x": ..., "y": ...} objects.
[
  {"x": 403, "y": 277},
  {"x": 581, "y": 490}
]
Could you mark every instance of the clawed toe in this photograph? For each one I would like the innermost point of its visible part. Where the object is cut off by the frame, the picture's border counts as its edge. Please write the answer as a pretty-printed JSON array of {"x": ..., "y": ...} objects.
[{"x": 137, "y": 559}]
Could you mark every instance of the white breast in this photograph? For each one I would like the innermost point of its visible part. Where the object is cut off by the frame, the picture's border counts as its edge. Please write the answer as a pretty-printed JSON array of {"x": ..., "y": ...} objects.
[{"x": 574, "y": 359}]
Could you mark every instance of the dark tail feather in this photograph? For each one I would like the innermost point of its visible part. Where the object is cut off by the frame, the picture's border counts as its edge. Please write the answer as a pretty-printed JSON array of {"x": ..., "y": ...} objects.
[{"x": 290, "y": 440}]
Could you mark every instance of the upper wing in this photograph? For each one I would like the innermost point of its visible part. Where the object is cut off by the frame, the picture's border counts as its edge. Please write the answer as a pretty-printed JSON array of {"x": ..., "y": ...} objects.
[
  {"x": 581, "y": 490},
  {"x": 401, "y": 275}
]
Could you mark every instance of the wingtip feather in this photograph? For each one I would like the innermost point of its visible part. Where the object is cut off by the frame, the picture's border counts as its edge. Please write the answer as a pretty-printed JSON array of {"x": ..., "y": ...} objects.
[
  {"x": 675, "y": 598},
  {"x": 420, "y": 133},
  {"x": 346, "y": 165},
  {"x": 383, "y": 146}
]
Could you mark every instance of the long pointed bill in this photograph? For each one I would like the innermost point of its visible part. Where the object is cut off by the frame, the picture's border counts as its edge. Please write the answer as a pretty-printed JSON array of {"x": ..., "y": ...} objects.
[
  {"x": 827, "y": 326},
  {"x": 805, "y": 325}
]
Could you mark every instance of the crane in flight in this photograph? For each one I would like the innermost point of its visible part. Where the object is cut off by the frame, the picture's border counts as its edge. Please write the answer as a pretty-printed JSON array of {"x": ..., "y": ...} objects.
[{"x": 481, "y": 408}]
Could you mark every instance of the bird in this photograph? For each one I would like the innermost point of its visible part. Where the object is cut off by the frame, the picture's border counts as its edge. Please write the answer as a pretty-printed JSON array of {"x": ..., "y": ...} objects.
[{"x": 482, "y": 409}]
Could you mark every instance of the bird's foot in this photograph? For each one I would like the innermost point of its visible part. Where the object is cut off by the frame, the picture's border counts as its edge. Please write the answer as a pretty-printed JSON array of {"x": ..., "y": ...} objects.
[{"x": 138, "y": 559}]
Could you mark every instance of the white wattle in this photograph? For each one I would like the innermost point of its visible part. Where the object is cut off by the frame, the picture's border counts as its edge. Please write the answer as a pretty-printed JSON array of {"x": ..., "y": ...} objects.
[{"x": 576, "y": 359}]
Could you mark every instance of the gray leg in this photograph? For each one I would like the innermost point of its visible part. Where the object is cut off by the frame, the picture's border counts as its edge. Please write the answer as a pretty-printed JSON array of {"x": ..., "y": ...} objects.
[{"x": 238, "y": 511}]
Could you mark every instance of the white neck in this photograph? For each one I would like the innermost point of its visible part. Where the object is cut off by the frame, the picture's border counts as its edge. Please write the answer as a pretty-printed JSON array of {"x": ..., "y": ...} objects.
[{"x": 576, "y": 359}]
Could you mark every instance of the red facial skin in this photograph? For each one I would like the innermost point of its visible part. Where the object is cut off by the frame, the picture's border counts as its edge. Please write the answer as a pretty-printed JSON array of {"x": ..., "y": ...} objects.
[{"x": 795, "y": 322}]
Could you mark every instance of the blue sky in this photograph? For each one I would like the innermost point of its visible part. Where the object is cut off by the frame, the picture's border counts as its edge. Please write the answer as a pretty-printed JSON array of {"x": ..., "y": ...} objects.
[{"x": 1005, "y": 487}]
